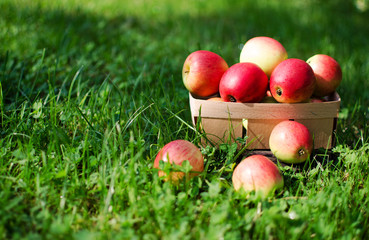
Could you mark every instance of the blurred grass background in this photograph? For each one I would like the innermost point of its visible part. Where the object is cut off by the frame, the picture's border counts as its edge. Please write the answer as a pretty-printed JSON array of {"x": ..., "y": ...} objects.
[{"x": 91, "y": 90}]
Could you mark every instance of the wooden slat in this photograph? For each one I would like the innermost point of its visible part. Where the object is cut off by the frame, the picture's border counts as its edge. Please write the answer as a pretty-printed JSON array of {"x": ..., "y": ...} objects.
[
  {"x": 221, "y": 130},
  {"x": 227, "y": 110},
  {"x": 258, "y": 132},
  {"x": 322, "y": 131}
]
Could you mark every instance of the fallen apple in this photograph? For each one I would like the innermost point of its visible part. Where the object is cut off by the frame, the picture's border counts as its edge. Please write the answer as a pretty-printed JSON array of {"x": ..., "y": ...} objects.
[
  {"x": 243, "y": 82},
  {"x": 176, "y": 152},
  {"x": 291, "y": 142},
  {"x": 257, "y": 173},
  {"x": 328, "y": 74},
  {"x": 265, "y": 52},
  {"x": 292, "y": 81},
  {"x": 202, "y": 71}
]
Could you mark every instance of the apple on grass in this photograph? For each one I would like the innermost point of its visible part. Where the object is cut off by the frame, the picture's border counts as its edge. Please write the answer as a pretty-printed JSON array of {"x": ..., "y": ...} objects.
[
  {"x": 202, "y": 71},
  {"x": 257, "y": 173},
  {"x": 292, "y": 81},
  {"x": 177, "y": 152},
  {"x": 265, "y": 52},
  {"x": 291, "y": 142},
  {"x": 328, "y": 74},
  {"x": 243, "y": 82}
]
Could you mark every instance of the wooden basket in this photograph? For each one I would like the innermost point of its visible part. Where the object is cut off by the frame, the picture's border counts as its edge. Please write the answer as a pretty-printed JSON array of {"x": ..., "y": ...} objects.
[{"x": 223, "y": 121}]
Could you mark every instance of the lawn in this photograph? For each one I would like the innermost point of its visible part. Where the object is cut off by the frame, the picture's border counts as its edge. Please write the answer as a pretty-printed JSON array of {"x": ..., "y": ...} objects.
[{"x": 90, "y": 91}]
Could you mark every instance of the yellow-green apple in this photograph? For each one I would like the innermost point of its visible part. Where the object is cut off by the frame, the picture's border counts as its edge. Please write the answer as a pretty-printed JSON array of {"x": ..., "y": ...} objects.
[
  {"x": 176, "y": 152},
  {"x": 292, "y": 81},
  {"x": 291, "y": 142},
  {"x": 328, "y": 74},
  {"x": 266, "y": 52},
  {"x": 243, "y": 82},
  {"x": 257, "y": 173},
  {"x": 202, "y": 71}
]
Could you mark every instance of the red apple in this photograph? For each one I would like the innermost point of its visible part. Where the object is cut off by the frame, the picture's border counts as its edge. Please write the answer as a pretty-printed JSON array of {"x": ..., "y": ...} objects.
[
  {"x": 291, "y": 142},
  {"x": 292, "y": 81},
  {"x": 176, "y": 152},
  {"x": 243, "y": 82},
  {"x": 257, "y": 173},
  {"x": 327, "y": 72},
  {"x": 266, "y": 52},
  {"x": 202, "y": 71}
]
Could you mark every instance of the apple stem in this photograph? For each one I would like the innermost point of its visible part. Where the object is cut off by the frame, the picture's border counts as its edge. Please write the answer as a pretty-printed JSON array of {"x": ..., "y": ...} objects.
[
  {"x": 279, "y": 92},
  {"x": 301, "y": 152},
  {"x": 232, "y": 99}
]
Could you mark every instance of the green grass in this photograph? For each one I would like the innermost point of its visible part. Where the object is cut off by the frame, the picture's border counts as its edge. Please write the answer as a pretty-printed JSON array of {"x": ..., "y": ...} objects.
[{"x": 90, "y": 91}]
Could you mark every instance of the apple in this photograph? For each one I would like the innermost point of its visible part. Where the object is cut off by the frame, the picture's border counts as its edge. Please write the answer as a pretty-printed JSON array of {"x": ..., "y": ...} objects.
[
  {"x": 257, "y": 173},
  {"x": 292, "y": 81},
  {"x": 268, "y": 93},
  {"x": 202, "y": 71},
  {"x": 266, "y": 52},
  {"x": 291, "y": 142},
  {"x": 328, "y": 74},
  {"x": 176, "y": 152},
  {"x": 243, "y": 82}
]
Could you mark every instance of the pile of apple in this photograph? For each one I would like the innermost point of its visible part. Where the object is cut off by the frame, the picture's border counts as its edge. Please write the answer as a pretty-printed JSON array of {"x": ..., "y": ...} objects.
[
  {"x": 290, "y": 142},
  {"x": 264, "y": 73}
]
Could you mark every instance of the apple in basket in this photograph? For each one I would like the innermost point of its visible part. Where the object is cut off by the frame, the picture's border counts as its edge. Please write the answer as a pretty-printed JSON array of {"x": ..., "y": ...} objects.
[
  {"x": 243, "y": 82},
  {"x": 265, "y": 52},
  {"x": 202, "y": 71},
  {"x": 292, "y": 81},
  {"x": 328, "y": 74}
]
